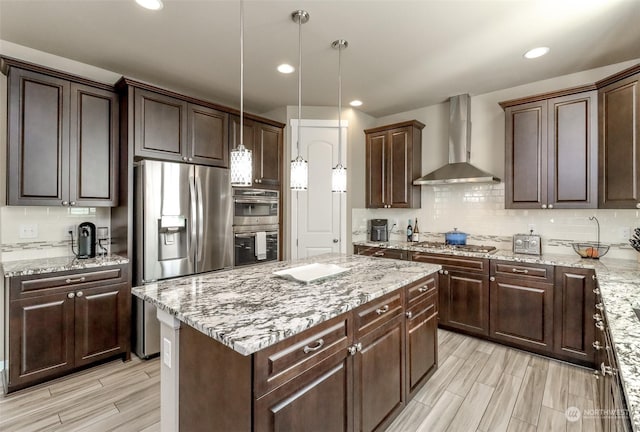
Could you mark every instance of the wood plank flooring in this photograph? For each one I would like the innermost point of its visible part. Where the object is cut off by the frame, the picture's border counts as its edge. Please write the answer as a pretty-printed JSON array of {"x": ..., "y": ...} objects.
[{"x": 479, "y": 386}]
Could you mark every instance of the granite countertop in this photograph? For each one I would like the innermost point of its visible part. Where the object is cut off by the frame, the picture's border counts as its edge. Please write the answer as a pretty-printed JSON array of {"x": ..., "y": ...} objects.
[
  {"x": 619, "y": 282},
  {"x": 251, "y": 309},
  {"x": 57, "y": 264}
]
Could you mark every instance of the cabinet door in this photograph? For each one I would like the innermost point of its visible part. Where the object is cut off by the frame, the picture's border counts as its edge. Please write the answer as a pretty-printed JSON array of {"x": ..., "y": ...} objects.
[
  {"x": 160, "y": 130},
  {"x": 399, "y": 178},
  {"x": 572, "y": 152},
  {"x": 376, "y": 170},
  {"x": 316, "y": 401},
  {"x": 464, "y": 301},
  {"x": 93, "y": 147},
  {"x": 574, "y": 330},
  {"x": 379, "y": 376},
  {"x": 267, "y": 155},
  {"x": 208, "y": 136},
  {"x": 619, "y": 144},
  {"x": 101, "y": 322},
  {"x": 422, "y": 344},
  {"x": 38, "y": 134},
  {"x": 522, "y": 313},
  {"x": 526, "y": 155},
  {"x": 40, "y": 338}
]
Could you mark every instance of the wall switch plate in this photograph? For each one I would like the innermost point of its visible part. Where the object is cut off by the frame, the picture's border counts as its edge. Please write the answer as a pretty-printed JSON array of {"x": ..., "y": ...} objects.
[
  {"x": 27, "y": 231},
  {"x": 531, "y": 227},
  {"x": 166, "y": 352}
]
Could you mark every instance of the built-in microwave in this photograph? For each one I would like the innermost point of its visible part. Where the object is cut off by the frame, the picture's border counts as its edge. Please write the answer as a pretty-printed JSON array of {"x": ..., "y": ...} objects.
[
  {"x": 254, "y": 244},
  {"x": 255, "y": 207}
]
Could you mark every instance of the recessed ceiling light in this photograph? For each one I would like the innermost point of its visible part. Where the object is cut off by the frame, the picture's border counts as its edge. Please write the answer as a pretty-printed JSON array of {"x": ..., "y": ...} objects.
[
  {"x": 355, "y": 103},
  {"x": 286, "y": 68},
  {"x": 536, "y": 52},
  {"x": 151, "y": 4}
]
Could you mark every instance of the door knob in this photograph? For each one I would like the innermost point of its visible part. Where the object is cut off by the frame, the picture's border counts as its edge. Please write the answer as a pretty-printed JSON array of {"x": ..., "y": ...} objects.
[{"x": 336, "y": 240}]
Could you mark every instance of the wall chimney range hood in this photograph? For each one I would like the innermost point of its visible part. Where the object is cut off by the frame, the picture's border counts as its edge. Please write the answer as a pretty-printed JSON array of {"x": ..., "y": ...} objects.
[{"x": 458, "y": 170}]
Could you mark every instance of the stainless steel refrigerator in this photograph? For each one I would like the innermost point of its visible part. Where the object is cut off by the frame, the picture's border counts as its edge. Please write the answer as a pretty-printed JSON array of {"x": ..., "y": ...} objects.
[{"x": 182, "y": 226}]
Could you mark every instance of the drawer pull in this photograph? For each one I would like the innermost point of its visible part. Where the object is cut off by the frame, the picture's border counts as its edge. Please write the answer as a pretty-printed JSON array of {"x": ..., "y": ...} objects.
[
  {"x": 606, "y": 370},
  {"x": 382, "y": 310},
  {"x": 596, "y": 291},
  {"x": 423, "y": 288},
  {"x": 600, "y": 325},
  {"x": 597, "y": 345},
  {"x": 71, "y": 295},
  {"x": 319, "y": 344},
  {"x": 79, "y": 294},
  {"x": 597, "y": 317},
  {"x": 600, "y": 307},
  {"x": 515, "y": 270},
  {"x": 409, "y": 315},
  {"x": 379, "y": 253},
  {"x": 76, "y": 280}
]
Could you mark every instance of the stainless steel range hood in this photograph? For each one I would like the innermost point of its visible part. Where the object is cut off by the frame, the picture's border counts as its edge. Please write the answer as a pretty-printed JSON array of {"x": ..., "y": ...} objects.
[{"x": 458, "y": 170}]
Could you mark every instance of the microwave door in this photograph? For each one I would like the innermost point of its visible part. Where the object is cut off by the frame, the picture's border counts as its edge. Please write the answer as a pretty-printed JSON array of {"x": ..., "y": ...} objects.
[{"x": 214, "y": 212}]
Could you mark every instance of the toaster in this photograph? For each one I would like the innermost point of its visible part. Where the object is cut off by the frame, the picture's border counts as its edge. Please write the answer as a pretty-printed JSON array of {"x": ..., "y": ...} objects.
[{"x": 530, "y": 244}]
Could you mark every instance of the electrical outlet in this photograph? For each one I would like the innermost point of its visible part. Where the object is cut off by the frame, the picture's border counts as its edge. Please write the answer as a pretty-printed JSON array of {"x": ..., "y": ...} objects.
[
  {"x": 28, "y": 231},
  {"x": 531, "y": 227},
  {"x": 625, "y": 233},
  {"x": 166, "y": 352},
  {"x": 70, "y": 229}
]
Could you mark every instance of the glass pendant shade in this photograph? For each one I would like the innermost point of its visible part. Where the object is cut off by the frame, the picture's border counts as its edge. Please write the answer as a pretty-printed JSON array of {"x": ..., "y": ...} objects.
[
  {"x": 299, "y": 174},
  {"x": 339, "y": 179},
  {"x": 241, "y": 166}
]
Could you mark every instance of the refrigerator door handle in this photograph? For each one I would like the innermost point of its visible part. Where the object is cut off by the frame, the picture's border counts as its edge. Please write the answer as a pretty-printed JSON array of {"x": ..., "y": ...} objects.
[
  {"x": 192, "y": 203},
  {"x": 200, "y": 237}
]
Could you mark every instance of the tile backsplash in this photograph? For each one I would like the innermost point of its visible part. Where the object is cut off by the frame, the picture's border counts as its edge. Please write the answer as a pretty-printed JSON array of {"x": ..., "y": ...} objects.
[
  {"x": 51, "y": 229},
  {"x": 478, "y": 210}
]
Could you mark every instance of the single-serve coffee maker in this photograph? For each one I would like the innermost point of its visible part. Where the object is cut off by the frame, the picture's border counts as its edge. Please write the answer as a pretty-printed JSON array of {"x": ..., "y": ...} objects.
[
  {"x": 86, "y": 240},
  {"x": 379, "y": 230}
]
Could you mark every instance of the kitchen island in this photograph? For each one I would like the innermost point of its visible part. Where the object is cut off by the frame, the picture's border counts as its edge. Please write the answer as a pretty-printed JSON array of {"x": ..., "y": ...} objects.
[{"x": 247, "y": 350}]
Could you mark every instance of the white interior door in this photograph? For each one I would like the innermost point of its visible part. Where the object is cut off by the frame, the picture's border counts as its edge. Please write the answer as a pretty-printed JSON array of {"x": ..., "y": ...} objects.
[{"x": 318, "y": 216}]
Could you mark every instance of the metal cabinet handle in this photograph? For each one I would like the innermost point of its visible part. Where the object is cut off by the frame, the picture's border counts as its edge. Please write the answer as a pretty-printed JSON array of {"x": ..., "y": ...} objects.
[
  {"x": 600, "y": 325},
  {"x": 492, "y": 279},
  {"x": 319, "y": 344},
  {"x": 352, "y": 350},
  {"x": 599, "y": 306},
  {"x": 71, "y": 295},
  {"x": 76, "y": 280},
  {"x": 597, "y": 345},
  {"x": 409, "y": 315},
  {"x": 606, "y": 370},
  {"x": 597, "y": 317},
  {"x": 423, "y": 288},
  {"x": 638, "y": 206},
  {"x": 79, "y": 294},
  {"x": 65, "y": 203},
  {"x": 379, "y": 253},
  {"x": 184, "y": 158},
  {"x": 596, "y": 374},
  {"x": 446, "y": 272},
  {"x": 544, "y": 206},
  {"x": 336, "y": 240},
  {"x": 521, "y": 271},
  {"x": 594, "y": 277},
  {"x": 382, "y": 310},
  {"x": 550, "y": 206},
  {"x": 596, "y": 291},
  {"x": 72, "y": 203},
  {"x": 190, "y": 159}
]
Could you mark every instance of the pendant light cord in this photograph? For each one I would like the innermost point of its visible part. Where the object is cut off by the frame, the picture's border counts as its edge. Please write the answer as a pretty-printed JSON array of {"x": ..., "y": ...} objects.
[
  {"x": 241, "y": 73},
  {"x": 299, "y": 78},
  {"x": 340, "y": 103}
]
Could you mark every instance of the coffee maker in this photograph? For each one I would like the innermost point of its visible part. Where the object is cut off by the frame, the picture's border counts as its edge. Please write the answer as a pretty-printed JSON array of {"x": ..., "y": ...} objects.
[
  {"x": 86, "y": 240},
  {"x": 379, "y": 230}
]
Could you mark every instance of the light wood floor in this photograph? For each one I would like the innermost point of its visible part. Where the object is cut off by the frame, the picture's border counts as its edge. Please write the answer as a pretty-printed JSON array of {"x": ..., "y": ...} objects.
[{"x": 479, "y": 386}]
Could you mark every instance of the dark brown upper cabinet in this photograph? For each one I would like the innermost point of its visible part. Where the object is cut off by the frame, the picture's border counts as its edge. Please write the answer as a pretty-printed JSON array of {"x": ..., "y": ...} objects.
[
  {"x": 393, "y": 161},
  {"x": 551, "y": 151},
  {"x": 266, "y": 143},
  {"x": 62, "y": 139},
  {"x": 170, "y": 128},
  {"x": 619, "y": 149}
]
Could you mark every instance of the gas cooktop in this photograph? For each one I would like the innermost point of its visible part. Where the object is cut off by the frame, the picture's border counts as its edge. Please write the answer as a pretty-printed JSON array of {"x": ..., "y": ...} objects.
[{"x": 465, "y": 248}]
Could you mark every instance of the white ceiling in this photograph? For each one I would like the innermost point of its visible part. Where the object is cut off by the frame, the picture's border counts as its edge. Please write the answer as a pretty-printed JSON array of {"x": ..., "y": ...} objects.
[{"x": 402, "y": 54}]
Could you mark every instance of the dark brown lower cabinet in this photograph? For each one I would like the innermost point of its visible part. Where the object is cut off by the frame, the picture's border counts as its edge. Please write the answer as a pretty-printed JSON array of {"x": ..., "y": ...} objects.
[
  {"x": 59, "y": 322},
  {"x": 422, "y": 343}
]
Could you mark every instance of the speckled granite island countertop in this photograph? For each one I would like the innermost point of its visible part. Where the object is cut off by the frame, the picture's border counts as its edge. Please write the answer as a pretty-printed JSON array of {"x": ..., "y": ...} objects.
[
  {"x": 57, "y": 264},
  {"x": 619, "y": 282},
  {"x": 248, "y": 309}
]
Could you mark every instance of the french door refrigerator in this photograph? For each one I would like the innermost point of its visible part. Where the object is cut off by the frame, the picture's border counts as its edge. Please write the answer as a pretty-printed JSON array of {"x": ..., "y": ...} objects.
[{"x": 182, "y": 226}]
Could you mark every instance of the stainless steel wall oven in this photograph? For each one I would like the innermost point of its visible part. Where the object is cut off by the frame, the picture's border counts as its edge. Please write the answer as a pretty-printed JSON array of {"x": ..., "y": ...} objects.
[{"x": 256, "y": 227}]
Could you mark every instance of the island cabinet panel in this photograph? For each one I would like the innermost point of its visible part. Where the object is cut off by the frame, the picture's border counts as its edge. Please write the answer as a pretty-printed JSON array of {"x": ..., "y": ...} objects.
[
  {"x": 422, "y": 343},
  {"x": 619, "y": 146},
  {"x": 575, "y": 312},
  {"x": 521, "y": 310},
  {"x": 393, "y": 161}
]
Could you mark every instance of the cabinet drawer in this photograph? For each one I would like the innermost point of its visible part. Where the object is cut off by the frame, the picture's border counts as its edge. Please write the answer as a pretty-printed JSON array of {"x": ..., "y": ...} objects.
[
  {"x": 476, "y": 265},
  {"x": 285, "y": 360},
  {"x": 25, "y": 285},
  {"x": 525, "y": 271},
  {"x": 383, "y": 252},
  {"x": 378, "y": 312},
  {"x": 422, "y": 289}
]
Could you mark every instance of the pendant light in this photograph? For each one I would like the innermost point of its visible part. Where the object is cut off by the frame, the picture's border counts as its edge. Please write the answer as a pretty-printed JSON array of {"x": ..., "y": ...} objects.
[
  {"x": 299, "y": 166},
  {"x": 241, "y": 161},
  {"x": 339, "y": 173}
]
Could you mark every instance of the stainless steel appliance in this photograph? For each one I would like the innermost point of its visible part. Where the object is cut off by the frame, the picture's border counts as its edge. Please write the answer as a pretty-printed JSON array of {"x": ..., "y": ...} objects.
[
  {"x": 465, "y": 247},
  {"x": 182, "y": 226},
  {"x": 529, "y": 244},
  {"x": 256, "y": 217},
  {"x": 379, "y": 230}
]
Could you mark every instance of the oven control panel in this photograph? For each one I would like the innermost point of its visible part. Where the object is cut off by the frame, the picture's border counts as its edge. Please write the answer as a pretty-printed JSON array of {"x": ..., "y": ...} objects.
[{"x": 527, "y": 244}]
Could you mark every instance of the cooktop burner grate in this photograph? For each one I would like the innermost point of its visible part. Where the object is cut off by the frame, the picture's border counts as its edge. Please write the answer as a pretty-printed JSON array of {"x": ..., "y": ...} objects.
[{"x": 465, "y": 248}]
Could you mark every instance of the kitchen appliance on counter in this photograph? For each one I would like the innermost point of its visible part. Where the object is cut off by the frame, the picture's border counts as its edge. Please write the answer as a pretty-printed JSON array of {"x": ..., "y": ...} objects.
[
  {"x": 379, "y": 230},
  {"x": 86, "y": 240},
  {"x": 182, "y": 226},
  {"x": 530, "y": 244},
  {"x": 256, "y": 217},
  {"x": 460, "y": 247}
]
